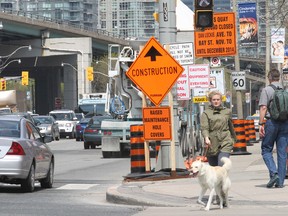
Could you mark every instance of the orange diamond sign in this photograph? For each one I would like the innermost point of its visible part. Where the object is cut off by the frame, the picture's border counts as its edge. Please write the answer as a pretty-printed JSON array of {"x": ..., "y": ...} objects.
[{"x": 154, "y": 71}]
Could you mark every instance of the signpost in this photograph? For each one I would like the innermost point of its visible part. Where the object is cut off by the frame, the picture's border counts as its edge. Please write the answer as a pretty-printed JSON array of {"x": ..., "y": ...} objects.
[
  {"x": 182, "y": 52},
  {"x": 239, "y": 80},
  {"x": 154, "y": 71},
  {"x": 220, "y": 40},
  {"x": 157, "y": 123}
]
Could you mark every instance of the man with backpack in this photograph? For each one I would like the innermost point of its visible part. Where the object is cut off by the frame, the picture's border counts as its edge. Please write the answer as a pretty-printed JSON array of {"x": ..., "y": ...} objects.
[{"x": 272, "y": 106}]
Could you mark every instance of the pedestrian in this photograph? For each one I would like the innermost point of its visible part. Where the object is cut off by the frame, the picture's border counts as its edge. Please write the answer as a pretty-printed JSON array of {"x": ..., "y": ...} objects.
[
  {"x": 273, "y": 131},
  {"x": 217, "y": 129}
]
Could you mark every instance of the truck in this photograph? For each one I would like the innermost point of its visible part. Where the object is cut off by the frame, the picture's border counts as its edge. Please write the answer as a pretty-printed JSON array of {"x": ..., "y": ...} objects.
[
  {"x": 124, "y": 103},
  {"x": 8, "y": 102},
  {"x": 93, "y": 103}
]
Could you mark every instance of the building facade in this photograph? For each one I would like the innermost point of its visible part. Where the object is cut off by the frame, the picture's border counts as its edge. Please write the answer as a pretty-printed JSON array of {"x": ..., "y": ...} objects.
[
  {"x": 80, "y": 13},
  {"x": 128, "y": 18}
]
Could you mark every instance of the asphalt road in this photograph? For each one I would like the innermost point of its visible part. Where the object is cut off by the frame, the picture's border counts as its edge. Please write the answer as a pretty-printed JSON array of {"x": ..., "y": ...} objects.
[{"x": 81, "y": 180}]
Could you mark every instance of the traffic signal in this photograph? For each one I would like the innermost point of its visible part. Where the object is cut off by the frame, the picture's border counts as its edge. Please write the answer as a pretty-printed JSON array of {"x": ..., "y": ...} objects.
[
  {"x": 204, "y": 13},
  {"x": 90, "y": 75},
  {"x": 25, "y": 77},
  {"x": 3, "y": 84}
]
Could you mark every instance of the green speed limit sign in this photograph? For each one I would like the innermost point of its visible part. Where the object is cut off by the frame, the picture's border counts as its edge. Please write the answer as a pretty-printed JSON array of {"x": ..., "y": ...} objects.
[{"x": 238, "y": 80}]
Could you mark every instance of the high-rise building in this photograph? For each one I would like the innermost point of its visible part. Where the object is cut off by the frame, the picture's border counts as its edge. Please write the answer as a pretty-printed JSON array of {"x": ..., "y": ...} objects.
[
  {"x": 81, "y": 13},
  {"x": 128, "y": 18}
]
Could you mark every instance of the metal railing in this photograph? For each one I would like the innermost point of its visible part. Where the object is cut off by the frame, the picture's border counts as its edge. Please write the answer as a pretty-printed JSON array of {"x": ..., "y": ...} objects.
[{"x": 66, "y": 23}]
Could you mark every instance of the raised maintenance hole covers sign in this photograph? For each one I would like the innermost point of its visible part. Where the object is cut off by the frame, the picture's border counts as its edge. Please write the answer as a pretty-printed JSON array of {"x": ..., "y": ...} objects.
[
  {"x": 157, "y": 123},
  {"x": 154, "y": 71}
]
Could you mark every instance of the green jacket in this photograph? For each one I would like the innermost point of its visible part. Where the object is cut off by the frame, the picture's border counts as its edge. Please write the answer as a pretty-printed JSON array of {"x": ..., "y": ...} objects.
[{"x": 217, "y": 125}]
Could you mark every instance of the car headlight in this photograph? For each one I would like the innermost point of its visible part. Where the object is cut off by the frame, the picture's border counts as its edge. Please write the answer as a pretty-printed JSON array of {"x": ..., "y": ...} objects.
[{"x": 68, "y": 124}]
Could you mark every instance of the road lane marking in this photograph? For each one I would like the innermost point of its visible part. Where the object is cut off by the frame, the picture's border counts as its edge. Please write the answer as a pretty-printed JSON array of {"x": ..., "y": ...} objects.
[{"x": 76, "y": 186}]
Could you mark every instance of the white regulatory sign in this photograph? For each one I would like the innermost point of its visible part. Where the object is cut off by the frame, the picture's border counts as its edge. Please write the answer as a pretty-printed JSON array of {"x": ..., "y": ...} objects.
[
  {"x": 181, "y": 52},
  {"x": 238, "y": 80}
]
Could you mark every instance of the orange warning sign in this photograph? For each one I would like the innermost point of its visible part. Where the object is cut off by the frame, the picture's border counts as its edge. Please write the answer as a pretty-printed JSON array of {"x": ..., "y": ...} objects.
[
  {"x": 220, "y": 40},
  {"x": 157, "y": 123},
  {"x": 154, "y": 71}
]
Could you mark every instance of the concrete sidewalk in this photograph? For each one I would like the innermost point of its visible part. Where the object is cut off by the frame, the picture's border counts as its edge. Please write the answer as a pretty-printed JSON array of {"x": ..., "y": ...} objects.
[{"x": 249, "y": 177}]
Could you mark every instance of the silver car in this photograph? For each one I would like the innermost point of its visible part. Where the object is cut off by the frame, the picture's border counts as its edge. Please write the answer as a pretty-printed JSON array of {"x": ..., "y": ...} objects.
[
  {"x": 47, "y": 125},
  {"x": 24, "y": 155}
]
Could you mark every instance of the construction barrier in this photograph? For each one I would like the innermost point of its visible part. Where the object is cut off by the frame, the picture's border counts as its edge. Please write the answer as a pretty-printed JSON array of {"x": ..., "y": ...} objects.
[
  {"x": 137, "y": 153},
  {"x": 240, "y": 147},
  {"x": 247, "y": 132},
  {"x": 252, "y": 131}
]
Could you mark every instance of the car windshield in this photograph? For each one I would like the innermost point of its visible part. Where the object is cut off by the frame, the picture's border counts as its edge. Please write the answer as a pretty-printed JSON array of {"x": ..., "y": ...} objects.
[
  {"x": 62, "y": 116},
  {"x": 9, "y": 128},
  {"x": 97, "y": 109},
  {"x": 43, "y": 120}
]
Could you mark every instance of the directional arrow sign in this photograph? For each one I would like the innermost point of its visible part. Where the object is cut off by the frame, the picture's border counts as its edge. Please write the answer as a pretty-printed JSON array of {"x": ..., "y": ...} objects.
[{"x": 154, "y": 71}]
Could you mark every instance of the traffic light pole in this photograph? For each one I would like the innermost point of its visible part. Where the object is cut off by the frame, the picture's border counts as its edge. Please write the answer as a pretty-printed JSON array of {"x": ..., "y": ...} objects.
[
  {"x": 237, "y": 68},
  {"x": 169, "y": 155}
]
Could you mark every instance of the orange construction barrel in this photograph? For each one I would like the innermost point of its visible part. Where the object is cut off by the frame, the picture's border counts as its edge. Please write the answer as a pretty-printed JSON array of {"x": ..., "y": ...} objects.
[
  {"x": 137, "y": 152},
  {"x": 247, "y": 132},
  {"x": 240, "y": 147},
  {"x": 252, "y": 131}
]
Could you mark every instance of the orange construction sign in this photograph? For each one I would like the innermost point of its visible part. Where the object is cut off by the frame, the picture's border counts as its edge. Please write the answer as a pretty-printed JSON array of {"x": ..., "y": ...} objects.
[
  {"x": 157, "y": 123},
  {"x": 220, "y": 40},
  {"x": 155, "y": 71}
]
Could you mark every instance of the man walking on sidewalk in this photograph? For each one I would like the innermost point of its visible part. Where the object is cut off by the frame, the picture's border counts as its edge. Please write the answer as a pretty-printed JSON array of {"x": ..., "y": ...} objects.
[{"x": 274, "y": 131}]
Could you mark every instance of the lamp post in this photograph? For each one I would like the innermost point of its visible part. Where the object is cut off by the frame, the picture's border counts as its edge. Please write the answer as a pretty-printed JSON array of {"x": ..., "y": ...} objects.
[
  {"x": 76, "y": 72},
  {"x": 7, "y": 57},
  {"x": 3, "y": 67}
]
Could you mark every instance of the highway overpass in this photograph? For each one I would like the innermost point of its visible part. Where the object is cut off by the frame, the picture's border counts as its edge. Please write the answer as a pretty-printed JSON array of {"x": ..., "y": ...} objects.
[{"x": 52, "y": 42}]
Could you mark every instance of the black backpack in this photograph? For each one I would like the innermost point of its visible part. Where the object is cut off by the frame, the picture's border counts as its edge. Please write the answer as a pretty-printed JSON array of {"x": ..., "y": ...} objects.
[{"x": 278, "y": 109}]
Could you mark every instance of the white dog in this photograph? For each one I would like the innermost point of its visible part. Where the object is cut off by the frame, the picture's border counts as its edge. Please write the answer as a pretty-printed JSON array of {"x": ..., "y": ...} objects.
[{"x": 214, "y": 178}]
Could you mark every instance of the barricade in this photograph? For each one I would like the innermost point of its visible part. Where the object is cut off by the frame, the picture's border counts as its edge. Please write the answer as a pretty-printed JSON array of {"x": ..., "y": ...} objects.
[
  {"x": 252, "y": 131},
  {"x": 240, "y": 147},
  {"x": 137, "y": 152},
  {"x": 247, "y": 132}
]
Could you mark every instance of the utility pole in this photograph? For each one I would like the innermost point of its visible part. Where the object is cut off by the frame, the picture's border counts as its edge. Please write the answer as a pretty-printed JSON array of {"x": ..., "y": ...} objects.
[
  {"x": 237, "y": 68},
  {"x": 167, "y": 35},
  {"x": 268, "y": 41}
]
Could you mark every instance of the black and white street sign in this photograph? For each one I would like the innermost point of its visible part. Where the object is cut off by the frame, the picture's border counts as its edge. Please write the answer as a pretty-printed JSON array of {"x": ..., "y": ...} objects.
[{"x": 238, "y": 80}]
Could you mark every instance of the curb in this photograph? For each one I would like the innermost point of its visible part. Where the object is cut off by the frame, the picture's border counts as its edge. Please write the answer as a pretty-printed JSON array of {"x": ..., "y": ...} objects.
[{"x": 135, "y": 195}]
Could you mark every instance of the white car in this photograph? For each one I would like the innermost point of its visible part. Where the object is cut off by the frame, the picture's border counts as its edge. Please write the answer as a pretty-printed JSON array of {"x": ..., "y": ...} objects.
[{"x": 67, "y": 121}]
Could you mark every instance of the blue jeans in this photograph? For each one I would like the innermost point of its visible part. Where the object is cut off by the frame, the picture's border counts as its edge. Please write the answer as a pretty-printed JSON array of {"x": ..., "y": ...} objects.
[
  {"x": 216, "y": 160},
  {"x": 275, "y": 132}
]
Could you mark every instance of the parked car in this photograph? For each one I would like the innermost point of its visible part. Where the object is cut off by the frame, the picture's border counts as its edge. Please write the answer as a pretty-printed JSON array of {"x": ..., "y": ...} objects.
[
  {"x": 47, "y": 126},
  {"x": 92, "y": 134},
  {"x": 66, "y": 120},
  {"x": 80, "y": 126},
  {"x": 24, "y": 155}
]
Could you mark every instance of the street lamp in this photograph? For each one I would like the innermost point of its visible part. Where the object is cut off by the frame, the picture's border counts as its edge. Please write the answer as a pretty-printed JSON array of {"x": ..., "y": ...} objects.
[
  {"x": 15, "y": 60},
  {"x": 63, "y": 64},
  {"x": 7, "y": 57}
]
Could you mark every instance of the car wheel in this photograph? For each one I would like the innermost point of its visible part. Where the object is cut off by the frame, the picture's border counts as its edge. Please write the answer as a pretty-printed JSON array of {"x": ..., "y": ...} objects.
[
  {"x": 93, "y": 146},
  {"x": 48, "y": 181},
  {"x": 28, "y": 184},
  {"x": 86, "y": 145},
  {"x": 78, "y": 139}
]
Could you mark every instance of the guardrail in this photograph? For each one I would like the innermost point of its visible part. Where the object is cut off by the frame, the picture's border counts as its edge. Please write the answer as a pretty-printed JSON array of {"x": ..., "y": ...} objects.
[{"x": 66, "y": 23}]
